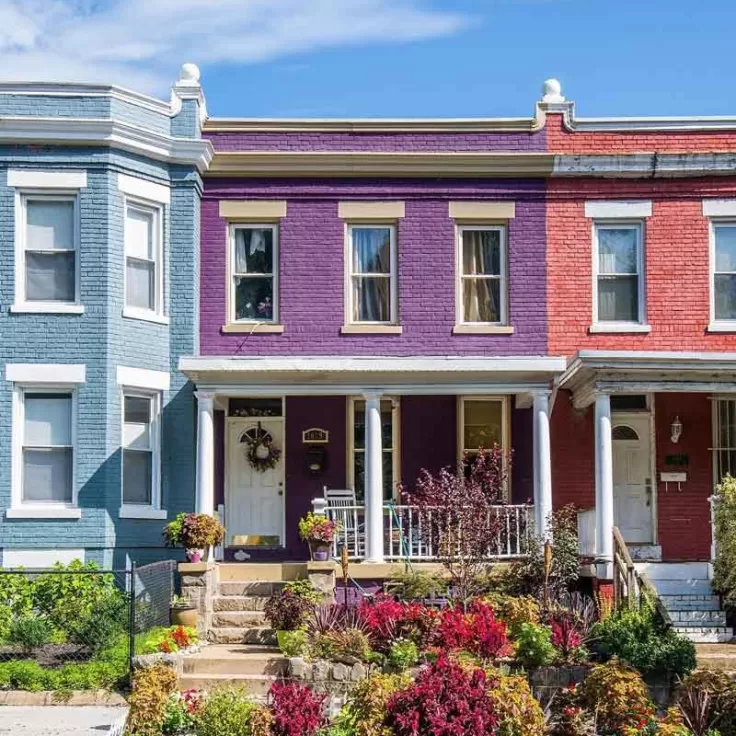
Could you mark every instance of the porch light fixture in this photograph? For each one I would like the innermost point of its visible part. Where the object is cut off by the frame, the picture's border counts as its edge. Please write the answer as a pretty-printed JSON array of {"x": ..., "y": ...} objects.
[{"x": 676, "y": 430}]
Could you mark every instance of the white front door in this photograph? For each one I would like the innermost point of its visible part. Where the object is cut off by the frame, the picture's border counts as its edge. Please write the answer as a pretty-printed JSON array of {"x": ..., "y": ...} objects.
[
  {"x": 632, "y": 477},
  {"x": 254, "y": 499}
]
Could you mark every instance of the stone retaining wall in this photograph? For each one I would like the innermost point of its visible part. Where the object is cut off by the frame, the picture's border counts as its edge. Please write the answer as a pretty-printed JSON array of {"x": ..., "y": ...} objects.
[{"x": 335, "y": 678}]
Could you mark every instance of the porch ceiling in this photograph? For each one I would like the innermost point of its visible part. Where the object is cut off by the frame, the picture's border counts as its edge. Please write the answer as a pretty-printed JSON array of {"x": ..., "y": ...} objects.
[
  {"x": 350, "y": 375},
  {"x": 620, "y": 372}
]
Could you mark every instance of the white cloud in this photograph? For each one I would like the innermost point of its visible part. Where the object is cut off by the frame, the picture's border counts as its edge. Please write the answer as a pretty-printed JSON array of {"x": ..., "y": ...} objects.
[{"x": 141, "y": 43}]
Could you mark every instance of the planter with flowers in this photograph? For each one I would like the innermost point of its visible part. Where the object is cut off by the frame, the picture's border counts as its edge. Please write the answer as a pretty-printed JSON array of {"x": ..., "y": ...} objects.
[
  {"x": 196, "y": 533},
  {"x": 319, "y": 533}
]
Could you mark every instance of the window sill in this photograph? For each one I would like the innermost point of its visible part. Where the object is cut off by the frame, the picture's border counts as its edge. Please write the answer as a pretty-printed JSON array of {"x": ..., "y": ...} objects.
[
  {"x": 622, "y": 327},
  {"x": 145, "y": 316},
  {"x": 263, "y": 328},
  {"x": 142, "y": 512},
  {"x": 371, "y": 330},
  {"x": 481, "y": 329},
  {"x": 46, "y": 308},
  {"x": 43, "y": 512},
  {"x": 721, "y": 327}
]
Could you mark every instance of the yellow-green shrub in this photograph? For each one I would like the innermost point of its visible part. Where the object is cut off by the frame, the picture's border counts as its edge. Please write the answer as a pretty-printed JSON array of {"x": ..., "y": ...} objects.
[
  {"x": 152, "y": 687},
  {"x": 518, "y": 710},
  {"x": 515, "y": 610}
]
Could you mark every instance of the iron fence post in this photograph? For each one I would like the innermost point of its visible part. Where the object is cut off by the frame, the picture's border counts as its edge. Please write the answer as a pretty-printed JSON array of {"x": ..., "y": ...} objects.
[{"x": 131, "y": 625}]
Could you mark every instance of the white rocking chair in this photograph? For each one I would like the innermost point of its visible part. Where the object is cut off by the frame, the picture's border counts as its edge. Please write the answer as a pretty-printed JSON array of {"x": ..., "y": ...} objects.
[{"x": 342, "y": 504}]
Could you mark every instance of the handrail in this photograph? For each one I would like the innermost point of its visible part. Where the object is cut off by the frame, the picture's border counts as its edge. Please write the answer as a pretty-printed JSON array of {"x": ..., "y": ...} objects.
[{"x": 630, "y": 585}]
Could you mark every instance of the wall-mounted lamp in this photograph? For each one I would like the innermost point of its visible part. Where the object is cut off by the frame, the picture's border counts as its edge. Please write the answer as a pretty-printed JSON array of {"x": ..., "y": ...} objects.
[{"x": 676, "y": 430}]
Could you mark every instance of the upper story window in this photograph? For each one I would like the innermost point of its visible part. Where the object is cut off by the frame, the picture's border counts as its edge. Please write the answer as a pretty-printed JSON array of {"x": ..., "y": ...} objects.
[
  {"x": 724, "y": 272},
  {"x": 372, "y": 297},
  {"x": 254, "y": 273},
  {"x": 141, "y": 449},
  {"x": 618, "y": 273},
  {"x": 144, "y": 282},
  {"x": 482, "y": 271}
]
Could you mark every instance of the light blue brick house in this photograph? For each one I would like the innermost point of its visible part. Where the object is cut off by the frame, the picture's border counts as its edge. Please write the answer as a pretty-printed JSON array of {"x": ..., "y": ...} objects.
[{"x": 99, "y": 293}]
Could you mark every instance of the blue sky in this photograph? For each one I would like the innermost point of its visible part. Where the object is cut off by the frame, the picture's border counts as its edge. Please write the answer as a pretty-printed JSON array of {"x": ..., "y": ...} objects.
[{"x": 397, "y": 58}]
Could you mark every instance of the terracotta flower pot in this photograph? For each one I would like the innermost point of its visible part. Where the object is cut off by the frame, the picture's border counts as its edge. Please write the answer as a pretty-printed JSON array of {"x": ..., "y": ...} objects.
[{"x": 184, "y": 617}]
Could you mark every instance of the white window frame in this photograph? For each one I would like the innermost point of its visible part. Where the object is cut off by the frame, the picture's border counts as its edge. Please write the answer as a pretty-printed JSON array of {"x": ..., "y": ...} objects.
[
  {"x": 640, "y": 324},
  {"x": 158, "y": 314},
  {"x": 152, "y": 510},
  {"x": 31, "y": 509},
  {"x": 716, "y": 446},
  {"x": 461, "y": 276},
  {"x": 715, "y": 323},
  {"x": 21, "y": 304},
  {"x": 395, "y": 449},
  {"x": 350, "y": 274},
  {"x": 274, "y": 227}
]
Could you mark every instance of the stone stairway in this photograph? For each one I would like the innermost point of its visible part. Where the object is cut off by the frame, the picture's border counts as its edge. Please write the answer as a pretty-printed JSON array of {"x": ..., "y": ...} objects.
[
  {"x": 238, "y": 613},
  {"x": 685, "y": 590}
]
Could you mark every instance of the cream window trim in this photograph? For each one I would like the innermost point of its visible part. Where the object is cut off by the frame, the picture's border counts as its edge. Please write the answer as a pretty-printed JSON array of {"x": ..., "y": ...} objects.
[
  {"x": 719, "y": 207},
  {"x": 371, "y": 329},
  {"x": 64, "y": 374},
  {"x": 482, "y": 211},
  {"x": 248, "y": 328},
  {"x": 601, "y": 328},
  {"x": 482, "y": 329},
  {"x": 257, "y": 210},
  {"x": 143, "y": 378},
  {"x": 144, "y": 189},
  {"x": 393, "y": 210},
  {"x": 619, "y": 209},
  {"x": 35, "y": 179}
]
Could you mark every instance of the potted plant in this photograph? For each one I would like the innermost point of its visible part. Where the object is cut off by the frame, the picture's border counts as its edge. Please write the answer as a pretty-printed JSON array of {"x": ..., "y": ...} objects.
[
  {"x": 287, "y": 612},
  {"x": 319, "y": 533},
  {"x": 196, "y": 533},
  {"x": 182, "y": 612}
]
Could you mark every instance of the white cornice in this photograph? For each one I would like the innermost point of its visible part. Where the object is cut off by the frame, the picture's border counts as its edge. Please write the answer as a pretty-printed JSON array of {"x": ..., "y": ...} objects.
[
  {"x": 106, "y": 132},
  {"x": 645, "y": 165}
]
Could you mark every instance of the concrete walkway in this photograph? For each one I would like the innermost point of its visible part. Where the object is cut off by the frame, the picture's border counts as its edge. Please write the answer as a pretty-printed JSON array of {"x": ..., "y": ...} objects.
[{"x": 62, "y": 720}]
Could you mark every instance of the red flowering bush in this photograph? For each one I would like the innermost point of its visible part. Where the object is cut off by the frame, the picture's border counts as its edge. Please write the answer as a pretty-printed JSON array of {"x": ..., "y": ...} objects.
[
  {"x": 566, "y": 637},
  {"x": 445, "y": 700},
  {"x": 381, "y": 617},
  {"x": 295, "y": 710},
  {"x": 477, "y": 631}
]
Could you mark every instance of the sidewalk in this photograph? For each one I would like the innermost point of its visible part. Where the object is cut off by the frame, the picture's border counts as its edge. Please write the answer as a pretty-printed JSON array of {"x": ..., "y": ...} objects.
[{"x": 62, "y": 721}]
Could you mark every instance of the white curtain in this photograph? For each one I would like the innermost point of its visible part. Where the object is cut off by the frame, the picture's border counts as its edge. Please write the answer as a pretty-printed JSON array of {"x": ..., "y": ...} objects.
[
  {"x": 481, "y": 256},
  {"x": 372, "y": 293}
]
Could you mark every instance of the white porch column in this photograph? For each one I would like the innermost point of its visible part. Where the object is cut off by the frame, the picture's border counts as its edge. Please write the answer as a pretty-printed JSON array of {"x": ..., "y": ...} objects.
[
  {"x": 205, "y": 497},
  {"x": 542, "y": 465},
  {"x": 373, "y": 479},
  {"x": 603, "y": 487}
]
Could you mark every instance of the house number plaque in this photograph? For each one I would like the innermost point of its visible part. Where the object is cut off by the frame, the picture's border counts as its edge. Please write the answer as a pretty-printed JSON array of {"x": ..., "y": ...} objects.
[{"x": 315, "y": 436}]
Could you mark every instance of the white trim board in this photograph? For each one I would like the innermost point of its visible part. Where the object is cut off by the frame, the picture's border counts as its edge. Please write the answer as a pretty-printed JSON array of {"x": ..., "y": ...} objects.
[
  {"x": 35, "y": 559},
  {"x": 616, "y": 209},
  {"x": 37, "y": 179},
  {"x": 143, "y": 378},
  {"x": 51, "y": 373},
  {"x": 144, "y": 189},
  {"x": 719, "y": 207}
]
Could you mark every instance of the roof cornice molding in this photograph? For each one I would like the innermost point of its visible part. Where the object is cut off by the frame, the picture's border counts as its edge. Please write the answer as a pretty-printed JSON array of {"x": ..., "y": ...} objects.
[
  {"x": 106, "y": 132},
  {"x": 645, "y": 165}
]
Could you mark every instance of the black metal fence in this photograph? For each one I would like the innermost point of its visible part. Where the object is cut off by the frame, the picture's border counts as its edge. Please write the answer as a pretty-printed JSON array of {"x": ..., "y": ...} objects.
[{"x": 75, "y": 627}]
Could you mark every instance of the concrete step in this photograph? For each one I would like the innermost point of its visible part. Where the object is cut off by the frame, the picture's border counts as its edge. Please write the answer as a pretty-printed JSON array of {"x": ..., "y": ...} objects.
[
  {"x": 716, "y": 657},
  {"x": 691, "y": 602},
  {"x": 698, "y": 618},
  {"x": 674, "y": 570},
  {"x": 239, "y": 603},
  {"x": 261, "y": 571},
  {"x": 238, "y": 619},
  {"x": 233, "y": 659},
  {"x": 250, "y": 588},
  {"x": 706, "y": 634},
  {"x": 235, "y": 635},
  {"x": 256, "y": 685},
  {"x": 683, "y": 587}
]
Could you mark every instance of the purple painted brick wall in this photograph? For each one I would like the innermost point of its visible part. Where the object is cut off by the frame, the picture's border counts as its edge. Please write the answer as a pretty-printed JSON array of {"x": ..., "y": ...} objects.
[
  {"x": 332, "y": 141},
  {"x": 312, "y": 270}
]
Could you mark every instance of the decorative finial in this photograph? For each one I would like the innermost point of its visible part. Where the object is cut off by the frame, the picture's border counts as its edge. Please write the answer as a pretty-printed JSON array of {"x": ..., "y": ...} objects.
[
  {"x": 552, "y": 91},
  {"x": 189, "y": 75}
]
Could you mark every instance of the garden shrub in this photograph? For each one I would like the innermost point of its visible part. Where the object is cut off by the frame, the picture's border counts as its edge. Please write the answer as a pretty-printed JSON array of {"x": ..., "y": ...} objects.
[
  {"x": 288, "y": 610},
  {"x": 707, "y": 699},
  {"x": 365, "y": 713},
  {"x": 618, "y": 696},
  {"x": 724, "y": 566},
  {"x": 228, "y": 712},
  {"x": 381, "y": 617},
  {"x": 293, "y": 643},
  {"x": 304, "y": 589},
  {"x": 403, "y": 654},
  {"x": 515, "y": 610},
  {"x": 29, "y": 631},
  {"x": 416, "y": 585},
  {"x": 567, "y": 638},
  {"x": 180, "y": 713},
  {"x": 519, "y": 712},
  {"x": 478, "y": 631},
  {"x": 444, "y": 700},
  {"x": 567, "y": 717},
  {"x": 534, "y": 645},
  {"x": 149, "y": 695},
  {"x": 348, "y": 645},
  {"x": 166, "y": 639},
  {"x": 296, "y": 710},
  {"x": 16, "y": 600},
  {"x": 636, "y": 637},
  {"x": 104, "y": 625}
]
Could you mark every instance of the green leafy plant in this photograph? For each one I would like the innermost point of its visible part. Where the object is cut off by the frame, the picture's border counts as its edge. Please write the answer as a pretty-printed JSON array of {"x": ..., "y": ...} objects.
[
  {"x": 29, "y": 632},
  {"x": 293, "y": 643},
  {"x": 534, "y": 645},
  {"x": 316, "y": 528},
  {"x": 227, "y": 712},
  {"x": 304, "y": 589},
  {"x": 349, "y": 645},
  {"x": 706, "y": 699},
  {"x": 166, "y": 639},
  {"x": 403, "y": 654},
  {"x": 514, "y": 610},
  {"x": 105, "y": 625},
  {"x": 152, "y": 687},
  {"x": 287, "y": 611},
  {"x": 180, "y": 714},
  {"x": 724, "y": 530},
  {"x": 194, "y": 531},
  {"x": 16, "y": 599},
  {"x": 418, "y": 585},
  {"x": 518, "y": 711},
  {"x": 180, "y": 601}
]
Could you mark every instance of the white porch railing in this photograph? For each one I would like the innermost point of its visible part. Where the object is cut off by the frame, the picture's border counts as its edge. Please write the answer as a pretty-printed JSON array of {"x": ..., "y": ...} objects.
[{"x": 404, "y": 535}]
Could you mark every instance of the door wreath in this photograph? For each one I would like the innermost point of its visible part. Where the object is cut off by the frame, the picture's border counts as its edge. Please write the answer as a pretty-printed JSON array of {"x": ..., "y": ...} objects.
[{"x": 262, "y": 455}]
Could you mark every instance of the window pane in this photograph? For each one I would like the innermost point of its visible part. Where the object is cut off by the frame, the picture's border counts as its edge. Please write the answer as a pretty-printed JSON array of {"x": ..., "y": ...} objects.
[
  {"x": 617, "y": 250},
  {"x": 50, "y": 225},
  {"x": 137, "y": 475},
  {"x": 371, "y": 250},
  {"x": 483, "y": 424},
  {"x": 48, "y": 420},
  {"x": 388, "y": 476},
  {"x": 725, "y": 248},
  {"x": 254, "y": 250},
  {"x": 137, "y": 428},
  {"x": 618, "y": 299},
  {"x": 50, "y": 277},
  {"x": 140, "y": 284},
  {"x": 139, "y": 234},
  {"x": 387, "y": 426},
  {"x": 725, "y": 297},
  {"x": 254, "y": 298},
  {"x": 481, "y": 252},
  {"x": 137, "y": 409},
  {"x": 359, "y": 476},
  {"x": 47, "y": 475},
  {"x": 371, "y": 299},
  {"x": 481, "y": 300}
]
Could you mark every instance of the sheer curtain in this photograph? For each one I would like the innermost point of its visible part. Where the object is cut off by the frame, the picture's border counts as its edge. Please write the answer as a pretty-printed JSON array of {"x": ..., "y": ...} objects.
[
  {"x": 618, "y": 280},
  {"x": 481, "y": 257},
  {"x": 372, "y": 274}
]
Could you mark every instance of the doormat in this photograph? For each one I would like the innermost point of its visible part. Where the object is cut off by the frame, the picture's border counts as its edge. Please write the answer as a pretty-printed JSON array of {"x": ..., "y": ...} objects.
[{"x": 255, "y": 540}]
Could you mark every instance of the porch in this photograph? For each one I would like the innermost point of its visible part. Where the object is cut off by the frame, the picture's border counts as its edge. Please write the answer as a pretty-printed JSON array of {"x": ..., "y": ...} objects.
[{"x": 367, "y": 425}]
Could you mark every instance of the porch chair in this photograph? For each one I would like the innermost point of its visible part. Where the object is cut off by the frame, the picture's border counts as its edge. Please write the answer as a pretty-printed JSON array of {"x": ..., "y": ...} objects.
[{"x": 352, "y": 530}]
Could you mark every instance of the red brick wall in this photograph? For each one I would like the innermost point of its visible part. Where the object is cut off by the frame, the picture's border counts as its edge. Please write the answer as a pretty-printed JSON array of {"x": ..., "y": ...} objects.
[{"x": 676, "y": 265}]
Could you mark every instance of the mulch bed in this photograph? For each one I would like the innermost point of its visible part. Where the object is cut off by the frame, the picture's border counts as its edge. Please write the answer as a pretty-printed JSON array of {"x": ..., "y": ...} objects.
[{"x": 49, "y": 655}]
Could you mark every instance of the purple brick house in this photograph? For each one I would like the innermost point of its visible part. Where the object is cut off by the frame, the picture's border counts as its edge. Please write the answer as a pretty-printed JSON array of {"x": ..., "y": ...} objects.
[{"x": 372, "y": 303}]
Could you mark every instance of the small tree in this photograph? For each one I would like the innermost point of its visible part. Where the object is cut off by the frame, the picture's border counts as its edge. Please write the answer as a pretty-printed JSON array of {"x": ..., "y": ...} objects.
[
  {"x": 724, "y": 567},
  {"x": 457, "y": 519}
]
